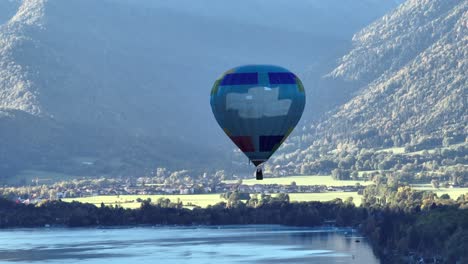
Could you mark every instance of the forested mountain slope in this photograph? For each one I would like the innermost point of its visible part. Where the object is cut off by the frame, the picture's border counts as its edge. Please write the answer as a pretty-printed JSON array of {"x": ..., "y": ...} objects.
[
  {"x": 417, "y": 58},
  {"x": 413, "y": 63},
  {"x": 119, "y": 87}
]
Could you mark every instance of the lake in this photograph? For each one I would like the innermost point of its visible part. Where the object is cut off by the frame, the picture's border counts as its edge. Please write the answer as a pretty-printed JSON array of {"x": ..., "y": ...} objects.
[{"x": 225, "y": 244}]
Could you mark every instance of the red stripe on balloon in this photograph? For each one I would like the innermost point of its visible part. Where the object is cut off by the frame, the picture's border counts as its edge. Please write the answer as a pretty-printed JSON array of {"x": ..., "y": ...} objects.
[{"x": 245, "y": 143}]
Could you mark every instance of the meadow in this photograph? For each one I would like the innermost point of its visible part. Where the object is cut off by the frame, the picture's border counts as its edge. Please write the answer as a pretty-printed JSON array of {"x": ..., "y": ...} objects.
[
  {"x": 323, "y": 197},
  {"x": 454, "y": 193},
  {"x": 202, "y": 200},
  {"x": 130, "y": 201},
  {"x": 302, "y": 180}
]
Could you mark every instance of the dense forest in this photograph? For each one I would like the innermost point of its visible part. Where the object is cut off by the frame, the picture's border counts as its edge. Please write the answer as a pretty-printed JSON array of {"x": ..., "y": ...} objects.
[
  {"x": 409, "y": 68},
  {"x": 400, "y": 222},
  {"x": 443, "y": 160}
]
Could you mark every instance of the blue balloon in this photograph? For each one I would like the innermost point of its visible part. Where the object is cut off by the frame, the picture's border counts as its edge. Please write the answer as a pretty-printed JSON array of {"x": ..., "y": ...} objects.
[{"x": 258, "y": 106}]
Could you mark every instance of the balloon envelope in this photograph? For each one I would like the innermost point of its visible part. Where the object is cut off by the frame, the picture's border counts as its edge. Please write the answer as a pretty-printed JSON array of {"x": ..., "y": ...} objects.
[{"x": 258, "y": 106}]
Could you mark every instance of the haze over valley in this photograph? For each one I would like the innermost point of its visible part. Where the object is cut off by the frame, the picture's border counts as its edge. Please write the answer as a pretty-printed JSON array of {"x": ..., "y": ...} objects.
[
  {"x": 123, "y": 113},
  {"x": 120, "y": 88}
]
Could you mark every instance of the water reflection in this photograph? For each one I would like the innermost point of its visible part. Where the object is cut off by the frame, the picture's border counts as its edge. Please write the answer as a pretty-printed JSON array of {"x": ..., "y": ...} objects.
[{"x": 231, "y": 244}]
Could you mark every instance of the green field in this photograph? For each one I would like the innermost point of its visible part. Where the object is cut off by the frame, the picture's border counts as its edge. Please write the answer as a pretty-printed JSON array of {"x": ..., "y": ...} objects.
[
  {"x": 323, "y": 197},
  {"x": 129, "y": 201},
  {"x": 302, "y": 180},
  {"x": 454, "y": 193},
  {"x": 203, "y": 200}
]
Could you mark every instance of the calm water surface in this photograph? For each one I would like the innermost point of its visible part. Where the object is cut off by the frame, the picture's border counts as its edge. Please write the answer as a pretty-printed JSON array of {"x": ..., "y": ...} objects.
[{"x": 228, "y": 244}]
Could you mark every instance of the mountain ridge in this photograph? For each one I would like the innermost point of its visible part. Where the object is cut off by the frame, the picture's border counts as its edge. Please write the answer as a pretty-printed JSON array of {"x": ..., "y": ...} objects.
[
  {"x": 412, "y": 80},
  {"x": 108, "y": 78},
  {"x": 422, "y": 93}
]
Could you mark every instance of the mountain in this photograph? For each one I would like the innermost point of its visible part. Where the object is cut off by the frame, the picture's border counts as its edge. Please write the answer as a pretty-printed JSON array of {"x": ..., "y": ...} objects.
[
  {"x": 119, "y": 87},
  {"x": 409, "y": 69}
]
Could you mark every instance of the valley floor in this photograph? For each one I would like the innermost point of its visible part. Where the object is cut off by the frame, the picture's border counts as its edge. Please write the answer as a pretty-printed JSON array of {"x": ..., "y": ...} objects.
[{"x": 204, "y": 200}]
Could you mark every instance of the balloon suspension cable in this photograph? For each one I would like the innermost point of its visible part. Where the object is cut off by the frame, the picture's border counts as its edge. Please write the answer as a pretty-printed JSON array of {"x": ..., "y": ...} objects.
[{"x": 259, "y": 173}]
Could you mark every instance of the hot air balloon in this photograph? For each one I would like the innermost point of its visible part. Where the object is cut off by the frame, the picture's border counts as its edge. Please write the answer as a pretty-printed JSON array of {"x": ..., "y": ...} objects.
[{"x": 258, "y": 106}]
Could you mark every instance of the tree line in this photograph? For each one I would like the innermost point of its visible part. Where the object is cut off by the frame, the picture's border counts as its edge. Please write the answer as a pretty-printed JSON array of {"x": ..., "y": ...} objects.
[{"x": 398, "y": 220}]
